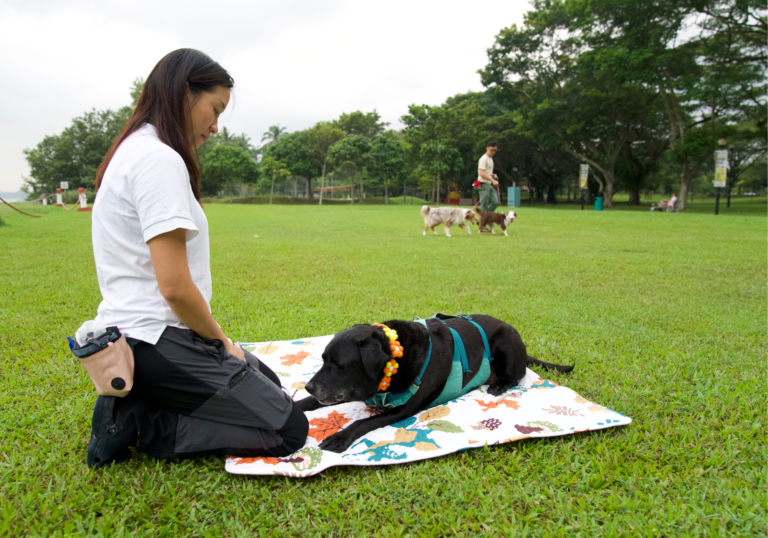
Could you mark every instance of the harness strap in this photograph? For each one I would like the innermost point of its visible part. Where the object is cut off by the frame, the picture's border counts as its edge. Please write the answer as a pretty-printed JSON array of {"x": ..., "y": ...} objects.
[
  {"x": 459, "y": 353},
  {"x": 417, "y": 381},
  {"x": 486, "y": 351}
]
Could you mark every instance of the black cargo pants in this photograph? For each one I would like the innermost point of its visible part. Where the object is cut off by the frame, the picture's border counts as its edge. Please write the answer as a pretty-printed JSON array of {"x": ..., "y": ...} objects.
[{"x": 192, "y": 397}]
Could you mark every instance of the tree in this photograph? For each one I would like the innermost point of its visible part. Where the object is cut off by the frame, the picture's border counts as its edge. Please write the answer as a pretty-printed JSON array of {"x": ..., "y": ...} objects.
[
  {"x": 136, "y": 89},
  {"x": 321, "y": 138},
  {"x": 293, "y": 150},
  {"x": 211, "y": 186},
  {"x": 276, "y": 170},
  {"x": 387, "y": 160},
  {"x": 706, "y": 81},
  {"x": 439, "y": 159},
  {"x": 368, "y": 125},
  {"x": 76, "y": 153},
  {"x": 354, "y": 150},
  {"x": 273, "y": 134},
  {"x": 454, "y": 125},
  {"x": 227, "y": 166}
]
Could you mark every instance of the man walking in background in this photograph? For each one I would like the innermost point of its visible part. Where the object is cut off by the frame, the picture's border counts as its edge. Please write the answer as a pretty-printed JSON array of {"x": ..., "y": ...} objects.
[{"x": 489, "y": 200}]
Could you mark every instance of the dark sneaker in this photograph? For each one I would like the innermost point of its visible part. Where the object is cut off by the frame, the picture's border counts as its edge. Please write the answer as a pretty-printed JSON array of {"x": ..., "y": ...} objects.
[{"x": 105, "y": 446}]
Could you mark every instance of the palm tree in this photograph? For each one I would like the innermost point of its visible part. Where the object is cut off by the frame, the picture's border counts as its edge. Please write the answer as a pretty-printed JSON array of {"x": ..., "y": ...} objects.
[{"x": 273, "y": 134}]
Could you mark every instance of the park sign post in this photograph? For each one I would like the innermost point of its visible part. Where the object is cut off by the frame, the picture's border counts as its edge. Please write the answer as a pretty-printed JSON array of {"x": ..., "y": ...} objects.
[
  {"x": 721, "y": 171},
  {"x": 583, "y": 175},
  {"x": 721, "y": 167}
]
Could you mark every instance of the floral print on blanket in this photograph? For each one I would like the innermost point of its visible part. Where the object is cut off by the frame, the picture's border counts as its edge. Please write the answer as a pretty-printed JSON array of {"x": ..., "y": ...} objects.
[{"x": 536, "y": 408}]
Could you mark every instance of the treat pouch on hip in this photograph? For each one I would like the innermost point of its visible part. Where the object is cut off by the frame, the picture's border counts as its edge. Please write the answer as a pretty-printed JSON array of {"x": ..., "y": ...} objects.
[{"x": 108, "y": 359}]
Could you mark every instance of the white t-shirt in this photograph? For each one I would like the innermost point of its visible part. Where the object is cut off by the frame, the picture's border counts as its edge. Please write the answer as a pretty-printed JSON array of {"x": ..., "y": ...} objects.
[
  {"x": 485, "y": 163},
  {"x": 145, "y": 192}
]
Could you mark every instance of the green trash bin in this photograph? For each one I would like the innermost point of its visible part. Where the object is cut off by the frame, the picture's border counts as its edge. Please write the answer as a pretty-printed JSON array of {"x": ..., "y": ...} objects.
[
  {"x": 513, "y": 196},
  {"x": 599, "y": 203}
]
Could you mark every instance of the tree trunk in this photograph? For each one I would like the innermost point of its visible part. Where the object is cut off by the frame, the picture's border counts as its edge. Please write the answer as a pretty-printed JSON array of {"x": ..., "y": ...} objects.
[
  {"x": 361, "y": 188},
  {"x": 634, "y": 196},
  {"x": 386, "y": 195},
  {"x": 272, "y": 191},
  {"x": 438, "y": 186},
  {"x": 432, "y": 194},
  {"x": 322, "y": 182},
  {"x": 608, "y": 193},
  {"x": 685, "y": 184}
]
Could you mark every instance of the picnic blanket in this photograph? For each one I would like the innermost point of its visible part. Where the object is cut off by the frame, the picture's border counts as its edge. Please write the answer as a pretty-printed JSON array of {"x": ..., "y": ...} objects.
[{"x": 535, "y": 408}]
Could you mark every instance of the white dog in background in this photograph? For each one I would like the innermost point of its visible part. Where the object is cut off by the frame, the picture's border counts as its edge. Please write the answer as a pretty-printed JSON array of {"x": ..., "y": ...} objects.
[{"x": 448, "y": 216}]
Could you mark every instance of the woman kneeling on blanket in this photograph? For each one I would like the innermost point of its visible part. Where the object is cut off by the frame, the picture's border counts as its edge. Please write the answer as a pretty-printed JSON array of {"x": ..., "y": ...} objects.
[{"x": 194, "y": 392}]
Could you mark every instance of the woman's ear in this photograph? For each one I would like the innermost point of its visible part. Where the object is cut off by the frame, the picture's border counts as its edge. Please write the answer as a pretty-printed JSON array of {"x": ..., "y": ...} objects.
[{"x": 373, "y": 357}]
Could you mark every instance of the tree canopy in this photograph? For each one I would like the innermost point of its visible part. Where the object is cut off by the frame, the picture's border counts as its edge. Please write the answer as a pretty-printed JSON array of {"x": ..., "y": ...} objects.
[{"x": 641, "y": 90}]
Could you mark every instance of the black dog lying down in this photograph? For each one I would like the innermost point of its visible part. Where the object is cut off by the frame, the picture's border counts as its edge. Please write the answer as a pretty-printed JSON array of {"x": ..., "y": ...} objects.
[{"x": 354, "y": 363}]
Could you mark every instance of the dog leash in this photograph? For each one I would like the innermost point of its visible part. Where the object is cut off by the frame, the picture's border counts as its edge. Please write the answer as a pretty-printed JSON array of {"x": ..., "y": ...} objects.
[{"x": 498, "y": 194}]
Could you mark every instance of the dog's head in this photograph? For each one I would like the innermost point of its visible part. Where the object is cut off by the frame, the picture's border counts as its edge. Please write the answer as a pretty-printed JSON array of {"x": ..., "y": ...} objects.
[
  {"x": 510, "y": 217},
  {"x": 352, "y": 366},
  {"x": 470, "y": 216}
]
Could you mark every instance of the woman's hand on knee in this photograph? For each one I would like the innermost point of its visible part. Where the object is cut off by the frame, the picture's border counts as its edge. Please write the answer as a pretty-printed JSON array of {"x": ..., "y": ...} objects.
[{"x": 232, "y": 349}]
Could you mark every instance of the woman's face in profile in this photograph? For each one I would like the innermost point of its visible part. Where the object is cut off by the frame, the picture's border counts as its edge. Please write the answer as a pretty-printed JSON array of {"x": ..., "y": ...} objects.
[{"x": 205, "y": 109}]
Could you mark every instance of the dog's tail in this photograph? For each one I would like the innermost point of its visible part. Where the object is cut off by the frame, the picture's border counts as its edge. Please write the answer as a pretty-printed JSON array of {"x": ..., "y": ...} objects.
[
  {"x": 549, "y": 366},
  {"x": 478, "y": 211},
  {"x": 424, "y": 210}
]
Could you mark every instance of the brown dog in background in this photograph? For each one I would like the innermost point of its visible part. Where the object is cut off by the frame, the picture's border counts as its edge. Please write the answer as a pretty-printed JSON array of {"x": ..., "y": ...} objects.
[{"x": 490, "y": 219}]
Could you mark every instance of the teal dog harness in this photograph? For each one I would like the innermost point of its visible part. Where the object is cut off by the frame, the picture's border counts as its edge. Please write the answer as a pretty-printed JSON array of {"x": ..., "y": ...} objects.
[{"x": 459, "y": 367}]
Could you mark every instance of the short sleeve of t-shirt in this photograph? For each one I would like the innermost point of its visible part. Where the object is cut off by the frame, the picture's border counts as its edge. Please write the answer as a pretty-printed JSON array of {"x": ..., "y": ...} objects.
[
  {"x": 486, "y": 165},
  {"x": 159, "y": 185}
]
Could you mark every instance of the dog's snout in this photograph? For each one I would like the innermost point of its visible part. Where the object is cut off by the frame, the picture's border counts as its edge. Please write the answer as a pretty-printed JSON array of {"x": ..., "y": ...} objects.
[{"x": 310, "y": 387}]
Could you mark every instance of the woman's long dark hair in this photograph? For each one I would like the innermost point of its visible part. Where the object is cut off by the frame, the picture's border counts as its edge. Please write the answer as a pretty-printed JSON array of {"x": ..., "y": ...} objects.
[{"x": 163, "y": 103}]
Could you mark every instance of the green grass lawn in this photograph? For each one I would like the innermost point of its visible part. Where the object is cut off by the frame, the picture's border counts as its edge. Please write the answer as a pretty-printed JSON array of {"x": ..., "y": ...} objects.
[{"x": 664, "y": 316}]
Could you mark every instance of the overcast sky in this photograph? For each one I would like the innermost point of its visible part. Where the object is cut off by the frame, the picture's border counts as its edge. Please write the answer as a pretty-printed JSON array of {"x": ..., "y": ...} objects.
[{"x": 294, "y": 62}]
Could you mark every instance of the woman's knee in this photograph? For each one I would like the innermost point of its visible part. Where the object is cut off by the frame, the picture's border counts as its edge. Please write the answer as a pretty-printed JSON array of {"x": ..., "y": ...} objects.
[{"x": 294, "y": 433}]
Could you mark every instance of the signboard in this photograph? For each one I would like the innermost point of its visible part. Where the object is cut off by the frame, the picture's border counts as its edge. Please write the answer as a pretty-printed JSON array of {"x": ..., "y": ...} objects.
[
  {"x": 721, "y": 167},
  {"x": 583, "y": 174},
  {"x": 64, "y": 185}
]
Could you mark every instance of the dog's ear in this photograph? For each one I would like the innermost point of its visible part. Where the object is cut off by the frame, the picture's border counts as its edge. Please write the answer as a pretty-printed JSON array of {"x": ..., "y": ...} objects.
[{"x": 373, "y": 357}]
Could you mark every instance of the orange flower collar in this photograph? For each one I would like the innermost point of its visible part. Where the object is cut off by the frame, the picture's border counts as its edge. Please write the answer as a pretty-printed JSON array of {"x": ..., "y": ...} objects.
[{"x": 391, "y": 367}]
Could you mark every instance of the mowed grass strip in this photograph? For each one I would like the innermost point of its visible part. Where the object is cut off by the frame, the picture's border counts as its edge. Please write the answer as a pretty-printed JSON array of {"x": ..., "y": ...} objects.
[{"x": 664, "y": 316}]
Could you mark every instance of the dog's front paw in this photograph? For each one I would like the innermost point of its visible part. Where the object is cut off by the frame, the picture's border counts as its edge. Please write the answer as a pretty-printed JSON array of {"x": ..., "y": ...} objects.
[
  {"x": 498, "y": 389},
  {"x": 338, "y": 442}
]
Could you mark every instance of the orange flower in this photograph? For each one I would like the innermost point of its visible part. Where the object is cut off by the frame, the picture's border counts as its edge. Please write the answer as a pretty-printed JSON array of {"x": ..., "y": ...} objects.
[{"x": 397, "y": 352}]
